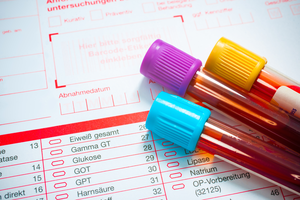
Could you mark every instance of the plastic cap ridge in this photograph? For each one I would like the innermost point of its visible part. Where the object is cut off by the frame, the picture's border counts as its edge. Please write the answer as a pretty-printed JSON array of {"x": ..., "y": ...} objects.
[
  {"x": 177, "y": 120},
  {"x": 169, "y": 66},
  {"x": 235, "y": 63}
]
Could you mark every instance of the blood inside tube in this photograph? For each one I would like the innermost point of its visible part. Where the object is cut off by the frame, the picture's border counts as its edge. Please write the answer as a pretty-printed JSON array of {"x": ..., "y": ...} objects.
[
  {"x": 278, "y": 90},
  {"x": 250, "y": 152},
  {"x": 260, "y": 116}
]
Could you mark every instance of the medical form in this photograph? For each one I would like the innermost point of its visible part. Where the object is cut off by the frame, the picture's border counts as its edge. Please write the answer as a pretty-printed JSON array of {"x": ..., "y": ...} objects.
[{"x": 74, "y": 104}]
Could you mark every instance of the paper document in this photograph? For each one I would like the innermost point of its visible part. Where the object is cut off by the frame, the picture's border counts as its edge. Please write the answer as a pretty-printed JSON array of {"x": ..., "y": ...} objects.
[{"x": 74, "y": 104}]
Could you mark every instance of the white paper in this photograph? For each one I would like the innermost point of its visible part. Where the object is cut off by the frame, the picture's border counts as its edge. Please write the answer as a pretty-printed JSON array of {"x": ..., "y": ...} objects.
[{"x": 62, "y": 66}]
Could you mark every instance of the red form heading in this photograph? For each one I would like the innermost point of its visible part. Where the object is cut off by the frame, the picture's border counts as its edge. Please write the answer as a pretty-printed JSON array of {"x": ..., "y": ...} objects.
[
  {"x": 76, "y": 5},
  {"x": 72, "y": 128}
]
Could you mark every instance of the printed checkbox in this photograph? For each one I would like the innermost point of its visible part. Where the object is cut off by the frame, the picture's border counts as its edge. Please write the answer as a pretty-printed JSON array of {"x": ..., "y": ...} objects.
[
  {"x": 96, "y": 15},
  {"x": 132, "y": 97},
  {"x": 210, "y": 2},
  {"x": 235, "y": 19},
  {"x": 93, "y": 103},
  {"x": 58, "y": 174},
  {"x": 224, "y": 21},
  {"x": 80, "y": 105},
  {"x": 246, "y": 17},
  {"x": 178, "y": 186},
  {"x": 119, "y": 99},
  {"x": 106, "y": 101},
  {"x": 295, "y": 9},
  {"x": 54, "y": 21},
  {"x": 212, "y": 22},
  {"x": 149, "y": 7},
  {"x": 274, "y": 13},
  {"x": 66, "y": 108},
  {"x": 201, "y": 24}
]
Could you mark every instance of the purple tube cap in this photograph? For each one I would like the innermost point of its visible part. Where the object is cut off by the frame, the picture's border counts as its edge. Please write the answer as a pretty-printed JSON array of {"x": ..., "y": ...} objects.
[{"x": 169, "y": 66}]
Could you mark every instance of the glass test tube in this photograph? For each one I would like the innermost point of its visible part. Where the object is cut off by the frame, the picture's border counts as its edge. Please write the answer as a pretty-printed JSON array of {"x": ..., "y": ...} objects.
[
  {"x": 179, "y": 72},
  {"x": 189, "y": 125},
  {"x": 250, "y": 72}
]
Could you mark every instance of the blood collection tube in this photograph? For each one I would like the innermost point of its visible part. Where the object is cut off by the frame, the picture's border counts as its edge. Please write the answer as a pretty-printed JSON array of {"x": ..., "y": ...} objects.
[
  {"x": 250, "y": 72},
  {"x": 189, "y": 125},
  {"x": 179, "y": 72}
]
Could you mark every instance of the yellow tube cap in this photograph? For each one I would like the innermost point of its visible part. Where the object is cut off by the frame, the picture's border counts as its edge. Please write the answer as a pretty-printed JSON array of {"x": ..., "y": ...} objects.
[{"x": 235, "y": 63}]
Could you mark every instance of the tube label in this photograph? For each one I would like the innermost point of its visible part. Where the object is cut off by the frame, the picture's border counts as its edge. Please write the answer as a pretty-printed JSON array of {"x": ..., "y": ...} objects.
[{"x": 288, "y": 100}]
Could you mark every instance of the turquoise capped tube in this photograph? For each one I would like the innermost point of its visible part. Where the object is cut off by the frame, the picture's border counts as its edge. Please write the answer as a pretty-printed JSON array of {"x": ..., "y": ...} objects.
[{"x": 182, "y": 118}]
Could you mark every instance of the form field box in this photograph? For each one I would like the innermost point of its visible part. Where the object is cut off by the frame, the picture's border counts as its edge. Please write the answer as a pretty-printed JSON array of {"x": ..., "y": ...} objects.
[
  {"x": 212, "y": 22},
  {"x": 295, "y": 9},
  {"x": 105, "y": 53},
  {"x": 235, "y": 19},
  {"x": 22, "y": 108},
  {"x": 8, "y": 8},
  {"x": 22, "y": 82},
  {"x": 21, "y": 54},
  {"x": 219, "y": 21},
  {"x": 246, "y": 17},
  {"x": 132, "y": 97},
  {"x": 80, "y": 105},
  {"x": 93, "y": 103},
  {"x": 21, "y": 65},
  {"x": 119, "y": 99},
  {"x": 201, "y": 24},
  {"x": 149, "y": 7},
  {"x": 178, "y": 186},
  {"x": 96, "y": 15},
  {"x": 224, "y": 21},
  {"x": 98, "y": 102},
  {"x": 19, "y": 39},
  {"x": 54, "y": 21},
  {"x": 274, "y": 13},
  {"x": 106, "y": 101},
  {"x": 67, "y": 108}
]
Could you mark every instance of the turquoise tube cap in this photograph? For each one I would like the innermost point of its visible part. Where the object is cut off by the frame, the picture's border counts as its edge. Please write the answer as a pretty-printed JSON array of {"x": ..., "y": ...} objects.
[{"x": 177, "y": 120}]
